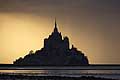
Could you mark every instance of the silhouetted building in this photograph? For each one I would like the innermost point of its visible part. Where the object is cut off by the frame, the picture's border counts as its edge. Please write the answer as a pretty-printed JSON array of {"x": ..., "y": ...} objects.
[{"x": 56, "y": 51}]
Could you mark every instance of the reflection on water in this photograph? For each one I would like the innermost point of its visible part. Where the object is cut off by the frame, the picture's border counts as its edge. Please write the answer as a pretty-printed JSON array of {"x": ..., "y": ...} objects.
[
  {"x": 63, "y": 71},
  {"x": 75, "y": 73}
]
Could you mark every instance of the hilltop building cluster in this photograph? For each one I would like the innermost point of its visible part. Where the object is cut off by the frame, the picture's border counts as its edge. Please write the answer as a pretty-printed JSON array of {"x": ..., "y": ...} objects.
[{"x": 56, "y": 52}]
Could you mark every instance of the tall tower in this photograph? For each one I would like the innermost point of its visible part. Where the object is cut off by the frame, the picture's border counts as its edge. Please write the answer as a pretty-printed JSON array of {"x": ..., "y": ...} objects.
[{"x": 56, "y": 34}]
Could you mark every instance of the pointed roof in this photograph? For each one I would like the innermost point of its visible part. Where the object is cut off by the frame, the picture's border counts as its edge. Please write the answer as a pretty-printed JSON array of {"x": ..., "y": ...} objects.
[{"x": 55, "y": 28}]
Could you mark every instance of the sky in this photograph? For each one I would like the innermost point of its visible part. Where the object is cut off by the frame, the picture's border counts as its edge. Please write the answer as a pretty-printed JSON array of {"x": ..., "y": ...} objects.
[{"x": 93, "y": 27}]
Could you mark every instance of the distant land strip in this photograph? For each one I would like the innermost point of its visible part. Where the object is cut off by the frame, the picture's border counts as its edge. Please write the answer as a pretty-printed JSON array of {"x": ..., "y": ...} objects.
[{"x": 66, "y": 67}]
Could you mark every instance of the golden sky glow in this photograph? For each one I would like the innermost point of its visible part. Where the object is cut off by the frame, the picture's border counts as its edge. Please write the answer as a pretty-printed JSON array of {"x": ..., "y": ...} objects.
[
  {"x": 19, "y": 34},
  {"x": 92, "y": 28}
]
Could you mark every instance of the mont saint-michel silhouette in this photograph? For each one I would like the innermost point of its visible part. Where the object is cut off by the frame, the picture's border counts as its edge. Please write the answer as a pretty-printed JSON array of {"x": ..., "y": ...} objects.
[{"x": 56, "y": 52}]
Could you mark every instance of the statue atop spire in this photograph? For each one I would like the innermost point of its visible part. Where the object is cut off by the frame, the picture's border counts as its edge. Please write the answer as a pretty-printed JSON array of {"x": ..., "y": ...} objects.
[{"x": 55, "y": 29}]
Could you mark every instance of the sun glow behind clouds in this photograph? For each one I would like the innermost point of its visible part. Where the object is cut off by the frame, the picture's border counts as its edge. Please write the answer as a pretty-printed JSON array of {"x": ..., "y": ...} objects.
[
  {"x": 20, "y": 33},
  {"x": 92, "y": 26}
]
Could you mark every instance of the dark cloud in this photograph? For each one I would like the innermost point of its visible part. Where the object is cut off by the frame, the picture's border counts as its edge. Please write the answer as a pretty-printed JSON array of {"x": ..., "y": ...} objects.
[{"x": 94, "y": 5}]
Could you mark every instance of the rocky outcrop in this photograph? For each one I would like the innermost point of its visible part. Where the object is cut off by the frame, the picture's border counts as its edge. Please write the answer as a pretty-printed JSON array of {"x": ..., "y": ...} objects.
[{"x": 56, "y": 51}]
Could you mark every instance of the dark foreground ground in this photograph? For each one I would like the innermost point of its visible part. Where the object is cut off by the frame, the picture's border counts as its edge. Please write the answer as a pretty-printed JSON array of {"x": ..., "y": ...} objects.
[{"x": 24, "y": 77}]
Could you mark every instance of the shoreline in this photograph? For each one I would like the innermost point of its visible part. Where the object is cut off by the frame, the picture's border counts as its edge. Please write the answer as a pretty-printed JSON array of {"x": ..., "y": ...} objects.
[{"x": 5, "y": 76}]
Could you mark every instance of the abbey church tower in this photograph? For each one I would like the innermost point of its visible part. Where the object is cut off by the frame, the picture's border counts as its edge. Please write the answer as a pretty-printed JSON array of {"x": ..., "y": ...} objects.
[{"x": 55, "y": 41}]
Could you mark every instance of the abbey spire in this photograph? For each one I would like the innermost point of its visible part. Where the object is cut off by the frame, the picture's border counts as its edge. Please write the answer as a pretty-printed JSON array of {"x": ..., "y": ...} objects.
[{"x": 55, "y": 29}]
